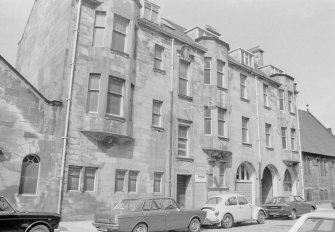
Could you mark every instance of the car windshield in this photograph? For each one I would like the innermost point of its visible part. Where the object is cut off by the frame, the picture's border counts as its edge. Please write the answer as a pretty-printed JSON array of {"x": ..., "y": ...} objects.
[
  {"x": 214, "y": 200},
  {"x": 277, "y": 200},
  {"x": 129, "y": 205}
]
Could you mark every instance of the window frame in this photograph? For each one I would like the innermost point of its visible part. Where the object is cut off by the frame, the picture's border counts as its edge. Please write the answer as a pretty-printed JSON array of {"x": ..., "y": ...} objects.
[
  {"x": 116, "y": 94},
  {"x": 283, "y": 138},
  {"x": 99, "y": 27},
  {"x": 245, "y": 130},
  {"x": 222, "y": 121},
  {"x": 268, "y": 135},
  {"x": 217, "y": 170},
  {"x": 243, "y": 86},
  {"x": 287, "y": 182},
  {"x": 30, "y": 159},
  {"x": 90, "y": 90},
  {"x": 124, "y": 34},
  {"x": 208, "y": 117},
  {"x": 159, "y": 115},
  {"x": 266, "y": 95},
  {"x": 151, "y": 7},
  {"x": 130, "y": 180},
  {"x": 185, "y": 79},
  {"x": 160, "y": 182},
  {"x": 123, "y": 180},
  {"x": 207, "y": 68},
  {"x": 159, "y": 59},
  {"x": 186, "y": 140},
  {"x": 82, "y": 184},
  {"x": 293, "y": 139},
  {"x": 290, "y": 103},
  {"x": 220, "y": 73},
  {"x": 281, "y": 94},
  {"x": 242, "y": 173}
]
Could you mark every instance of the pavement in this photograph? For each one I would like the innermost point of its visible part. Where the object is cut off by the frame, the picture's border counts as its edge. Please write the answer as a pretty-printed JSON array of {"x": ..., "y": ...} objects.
[{"x": 269, "y": 226}]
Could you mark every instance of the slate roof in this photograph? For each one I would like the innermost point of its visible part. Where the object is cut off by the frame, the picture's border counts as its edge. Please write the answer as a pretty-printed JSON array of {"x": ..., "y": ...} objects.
[{"x": 315, "y": 138}]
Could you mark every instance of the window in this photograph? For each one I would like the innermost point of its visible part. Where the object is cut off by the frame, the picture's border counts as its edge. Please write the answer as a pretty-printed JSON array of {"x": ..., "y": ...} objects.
[
  {"x": 208, "y": 121},
  {"x": 132, "y": 182},
  {"x": 158, "y": 59},
  {"x": 207, "y": 71},
  {"x": 245, "y": 130},
  {"x": 93, "y": 93},
  {"x": 220, "y": 73},
  {"x": 244, "y": 92},
  {"x": 158, "y": 176},
  {"x": 222, "y": 130},
  {"x": 247, "y": 59},
  {"x": 231, "y": 201},
  {"x": 183, "y": 78},
  {"x": 266, "y": 95},
  {"x": 242, "y": 173},
  {"x": 99, "y": 29},
  {"x": 157, "y": 113},
  {"x": 119, "y": 37},
  {"x": 283, "y": 138},
  {"x": 29, "y": 174},
  {"x": 242, "y": 201},
  {"x": 131, "y": 102},
  {"x": 308, "y": 166},
  {"x": 290, "y": 102},
  {"x": 115, "y": 96},
  {"x": 281, "y": 100},
  {"x": 323, "y": 165},
  {"x": 169, "y": 204},
  {"x": 268, "y": 138},
  {"x": 5, "y": 206},
  {"x": 119, "y": 180},
  {"x": 183, "y": 140},
  {"x": 216, "y": 175},
  {"x": 293, "y": 139},
  {"x": 151, "y": 11},
  {"x": 287, "y": 183},
  {"x": 81, "y": 178}
]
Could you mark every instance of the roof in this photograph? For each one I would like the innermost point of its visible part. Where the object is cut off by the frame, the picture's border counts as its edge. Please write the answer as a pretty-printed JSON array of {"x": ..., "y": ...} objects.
[
  {"x": 178, "y": 32},
  {"x": 315, "y": 138}
]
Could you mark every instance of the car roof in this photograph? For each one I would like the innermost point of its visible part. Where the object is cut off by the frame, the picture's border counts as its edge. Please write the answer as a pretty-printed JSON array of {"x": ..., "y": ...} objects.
[
  {"x": 147, "y": 198},
  {"x": 226, "y": 195},
  {"x": 323, "y": 214}
]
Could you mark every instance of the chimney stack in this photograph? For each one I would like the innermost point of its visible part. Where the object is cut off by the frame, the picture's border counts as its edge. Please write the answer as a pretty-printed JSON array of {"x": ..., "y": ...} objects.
[{"x": 258, "y": 52}]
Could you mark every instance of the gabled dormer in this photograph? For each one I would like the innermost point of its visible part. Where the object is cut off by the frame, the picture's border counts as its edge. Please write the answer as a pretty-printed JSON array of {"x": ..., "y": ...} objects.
[
  {"x": 243, "y": 56},
  {"x": 151, "y": 11},
  {"x": 197, "y": 32},
  {"x": 270, "y": 70}
]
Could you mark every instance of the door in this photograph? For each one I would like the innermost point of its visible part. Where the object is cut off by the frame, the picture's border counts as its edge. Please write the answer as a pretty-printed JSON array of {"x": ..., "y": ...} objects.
[
  {"x": 154, "y": 215},
  {"x": 244, "y": 188},
  {"x": 175, "y": 218},
  {"x": 232, "y": 208},
  {"x": 267, "y": 190},
  {"x": 244, "y": 208},
  {"x": 182, "y": 183}
]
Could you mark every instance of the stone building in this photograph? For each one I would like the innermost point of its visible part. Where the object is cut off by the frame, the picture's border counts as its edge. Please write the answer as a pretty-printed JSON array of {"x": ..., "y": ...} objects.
[
  {"x": 318, "y": 154},
  {"x": 152, "y": 108}
]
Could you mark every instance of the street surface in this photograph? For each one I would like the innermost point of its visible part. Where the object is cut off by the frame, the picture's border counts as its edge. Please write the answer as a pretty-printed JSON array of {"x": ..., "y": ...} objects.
[{"x": 275, "y": 225}]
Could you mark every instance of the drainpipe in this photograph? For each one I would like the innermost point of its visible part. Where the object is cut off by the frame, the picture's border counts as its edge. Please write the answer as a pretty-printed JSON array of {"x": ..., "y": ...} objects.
[
  {"x": 171, "y": 120},
  {"x": 301, "y": 166},
  {"x": 259, "y": 144},
  {"x": 69, "y": 98}
]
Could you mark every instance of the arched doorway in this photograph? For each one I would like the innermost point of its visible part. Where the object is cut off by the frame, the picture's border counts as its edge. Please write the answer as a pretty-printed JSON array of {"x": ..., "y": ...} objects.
[
  {"x": 269, "y": 183},
  {"x": 245, "y": 181}
]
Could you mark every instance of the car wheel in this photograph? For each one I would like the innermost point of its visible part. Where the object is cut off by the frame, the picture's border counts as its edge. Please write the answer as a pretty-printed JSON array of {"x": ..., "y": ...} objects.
[
  {"x": 141, "y": 227},
  {"x": 227, "y": 221},
  {"x": 293, "y": 215},
  {"x": 261, "y": 217},
  {"x": 39, "y": 228},
  {"x": 194, "y": 225}
]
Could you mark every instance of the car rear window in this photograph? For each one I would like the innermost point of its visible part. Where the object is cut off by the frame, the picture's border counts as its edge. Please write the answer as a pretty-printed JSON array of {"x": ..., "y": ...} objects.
[
  {"x": 129, "y": 205},
  {"x": 214, "y": 200},
  {"x": 277, "y": 200}
]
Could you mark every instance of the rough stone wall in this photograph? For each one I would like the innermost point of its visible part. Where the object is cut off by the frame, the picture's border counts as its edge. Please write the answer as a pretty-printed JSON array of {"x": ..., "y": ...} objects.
[{"x": 27, "y": 126}]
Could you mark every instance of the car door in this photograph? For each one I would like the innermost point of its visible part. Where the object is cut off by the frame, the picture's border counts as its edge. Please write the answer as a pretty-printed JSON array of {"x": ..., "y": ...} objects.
[
  {"x": 154, "y": 215},
  {"x": 8, "y": 217},
  {"x": 175, "y": 218},
  {"x": 233, "y": 208},
  {"x": 244, "y": 208},
  {"x": 304, "y": 207}
]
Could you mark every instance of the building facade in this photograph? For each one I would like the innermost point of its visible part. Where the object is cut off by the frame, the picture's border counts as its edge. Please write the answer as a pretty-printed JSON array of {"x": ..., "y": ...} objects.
[
  {"x": 318, "y": 153},
  {"x": 152, "y": 108}
]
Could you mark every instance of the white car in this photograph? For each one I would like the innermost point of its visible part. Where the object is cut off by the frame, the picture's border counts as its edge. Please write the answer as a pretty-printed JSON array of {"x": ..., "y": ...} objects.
[
  {"x": 323, "y": 221},
  {"x": 226, "y": 209}
]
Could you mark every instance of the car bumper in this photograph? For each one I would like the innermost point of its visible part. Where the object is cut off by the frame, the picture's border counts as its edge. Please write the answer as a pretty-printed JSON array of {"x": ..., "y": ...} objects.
[
  {"x": 105, "y": 227},
  {"x": 278, "y": 213},
  {"x": 211, "y": 221}
]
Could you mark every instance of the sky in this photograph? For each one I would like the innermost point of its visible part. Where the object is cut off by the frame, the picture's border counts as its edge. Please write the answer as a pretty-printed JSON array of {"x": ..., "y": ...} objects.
[{"x": 297, "y": 36}]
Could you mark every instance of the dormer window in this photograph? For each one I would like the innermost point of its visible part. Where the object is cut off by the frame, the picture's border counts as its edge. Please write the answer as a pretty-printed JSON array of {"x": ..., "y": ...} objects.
[
  {"x": 247, "y": 59},
  {"x": 151, "y": 12}
]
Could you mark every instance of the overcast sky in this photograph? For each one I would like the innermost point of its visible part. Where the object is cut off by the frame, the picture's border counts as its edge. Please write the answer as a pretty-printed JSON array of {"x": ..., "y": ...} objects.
[{"x": 297, "y": 36}]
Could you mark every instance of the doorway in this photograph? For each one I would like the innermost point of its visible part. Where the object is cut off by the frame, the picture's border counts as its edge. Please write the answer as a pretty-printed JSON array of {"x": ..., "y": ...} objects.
[{"x": 182, "y": 187}]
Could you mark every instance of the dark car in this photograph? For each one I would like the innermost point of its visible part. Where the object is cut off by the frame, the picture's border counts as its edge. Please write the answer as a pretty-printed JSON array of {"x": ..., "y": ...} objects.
[
  {"x": 12, "y": 220},
  {"x": 149, "y": 214},
  {"x": 290, "y": 206}
]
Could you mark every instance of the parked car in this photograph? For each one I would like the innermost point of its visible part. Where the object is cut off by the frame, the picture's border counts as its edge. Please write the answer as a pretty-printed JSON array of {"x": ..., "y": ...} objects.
[
  {"x": 332, "y": 204},
  {"x": 149, "y": 214},
  {"x": 226, "y": 209},
  {"x": 290, "y": 206},
  {"x": 314, "y": 222},
  {"x": 12, "y": 220}
]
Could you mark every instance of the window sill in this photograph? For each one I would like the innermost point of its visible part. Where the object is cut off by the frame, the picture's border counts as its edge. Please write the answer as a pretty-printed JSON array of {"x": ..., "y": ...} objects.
[
  {"x": 187, "y": 159},
  {"x": 126, "y": 55},
  {"x": 267, "y": 107},
  {"x": 223, "y": 138},
  {"x": 270, "y": 148},
  {"x": 27, "y": 195},
  {"x": 247, "y": 144},
  {"x": 245, "y": 100},
  {"x": 187, "y": 98},
  {"x": 160, "y": 71},
  {"x": 222, "y": 88},
  {"x": 218, "y": 188},
  {"x": 157, "y": 128},
  {"x": 115, "y": 117}
]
